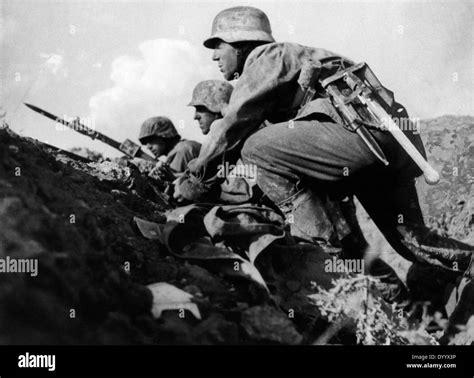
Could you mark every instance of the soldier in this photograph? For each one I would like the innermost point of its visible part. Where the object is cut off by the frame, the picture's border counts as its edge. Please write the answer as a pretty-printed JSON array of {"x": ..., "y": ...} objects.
[
  {"x": 313, "y": 152},
  {"x": 210, "y": 97},
  {"x": 161, "y": 137}
]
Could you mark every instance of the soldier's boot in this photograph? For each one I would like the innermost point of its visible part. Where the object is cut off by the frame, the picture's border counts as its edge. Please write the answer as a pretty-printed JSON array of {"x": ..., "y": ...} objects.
[
  {"x": 438, "y": 250},
  {"x": 394, "y": 197},
  {"x": 333, "y": 225},
  {"x": 309, "y": 220}
]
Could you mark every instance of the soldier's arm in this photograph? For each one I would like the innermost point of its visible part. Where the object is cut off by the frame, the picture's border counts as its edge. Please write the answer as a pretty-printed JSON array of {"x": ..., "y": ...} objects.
[
  {"x": 184, "y": 153},
  {"x": 267, "y": 76}
]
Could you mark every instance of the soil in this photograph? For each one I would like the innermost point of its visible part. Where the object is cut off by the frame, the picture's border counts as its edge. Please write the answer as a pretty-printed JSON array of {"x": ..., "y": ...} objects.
[
  {"x": 75, "y": 218},
  {"x": 94, "y": 265}
]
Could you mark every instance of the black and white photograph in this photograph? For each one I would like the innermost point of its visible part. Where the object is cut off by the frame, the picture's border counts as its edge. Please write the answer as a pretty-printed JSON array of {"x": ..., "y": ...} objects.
[{"x": 283, "y": 187}]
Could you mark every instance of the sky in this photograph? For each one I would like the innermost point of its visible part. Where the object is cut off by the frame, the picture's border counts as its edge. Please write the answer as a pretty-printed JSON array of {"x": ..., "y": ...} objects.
[{"x": 114, "y": 64}]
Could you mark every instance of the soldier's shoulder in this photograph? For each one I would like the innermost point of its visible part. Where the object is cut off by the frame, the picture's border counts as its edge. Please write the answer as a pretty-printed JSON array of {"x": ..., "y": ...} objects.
[
  {"x": 188, "y": 145},
  {"x": 275, "y": 48},
  {"x": 290, "y": 49}
]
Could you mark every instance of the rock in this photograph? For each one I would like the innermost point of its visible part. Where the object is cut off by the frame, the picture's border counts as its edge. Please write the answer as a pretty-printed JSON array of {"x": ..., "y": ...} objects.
[{"x": 265, "y": 323}]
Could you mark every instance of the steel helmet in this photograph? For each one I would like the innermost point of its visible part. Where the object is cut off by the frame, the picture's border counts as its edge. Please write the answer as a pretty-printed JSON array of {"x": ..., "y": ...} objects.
[
  {"x": 240, "y": 24},
  {"x": 212, "y": 94},
  {"x": 157, "y": 126}
]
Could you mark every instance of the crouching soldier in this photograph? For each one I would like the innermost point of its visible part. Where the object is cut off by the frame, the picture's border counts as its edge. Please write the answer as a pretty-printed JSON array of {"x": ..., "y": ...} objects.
[
  {"x": 299, "y": 157},
  {"x": 209, "y": 98},
  {"x": 160, "y": 136}
]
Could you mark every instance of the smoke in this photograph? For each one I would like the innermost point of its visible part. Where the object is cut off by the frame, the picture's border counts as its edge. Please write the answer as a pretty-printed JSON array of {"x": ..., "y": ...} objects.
[{"x": 157, "y": 83}]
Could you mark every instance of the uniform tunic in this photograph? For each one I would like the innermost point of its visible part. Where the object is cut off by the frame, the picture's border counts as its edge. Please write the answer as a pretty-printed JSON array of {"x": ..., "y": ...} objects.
[
  {"x": 182, "y": 153},
  {"x": 317, "y": 150}
]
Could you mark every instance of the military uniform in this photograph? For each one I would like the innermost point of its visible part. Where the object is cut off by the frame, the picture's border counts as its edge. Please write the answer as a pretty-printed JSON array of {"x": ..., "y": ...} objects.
[
  {"x": 182, "y": 152},
  {"x": 225, "y": 180},
  {"x": 317, "y": 152},
  {"x": 213, "y": 95}
]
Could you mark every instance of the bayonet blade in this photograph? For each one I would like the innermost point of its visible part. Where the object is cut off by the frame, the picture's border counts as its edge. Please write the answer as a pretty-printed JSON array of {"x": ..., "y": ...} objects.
[
  {"x": 76, "y": 126},
  {"x": 93, "y": 134}
]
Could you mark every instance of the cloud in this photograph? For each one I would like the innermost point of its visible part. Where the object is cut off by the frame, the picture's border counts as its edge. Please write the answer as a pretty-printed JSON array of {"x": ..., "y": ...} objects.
[
  {"x": 54, "y": 64},
  {"x": 157, "y": 83}
]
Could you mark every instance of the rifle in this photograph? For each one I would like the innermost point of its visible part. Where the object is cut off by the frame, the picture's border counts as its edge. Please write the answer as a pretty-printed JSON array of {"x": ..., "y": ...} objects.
[
  {"x": 70, "y": 154},
  {"x": 362, "y": 101},
  {"x": 128, "y": 147}
]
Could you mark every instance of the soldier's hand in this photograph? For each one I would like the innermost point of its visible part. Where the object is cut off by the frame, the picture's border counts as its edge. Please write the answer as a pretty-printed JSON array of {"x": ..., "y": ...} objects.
[
  {"x": 196, "y": 167},
  {"x": 160, "y": 170}
]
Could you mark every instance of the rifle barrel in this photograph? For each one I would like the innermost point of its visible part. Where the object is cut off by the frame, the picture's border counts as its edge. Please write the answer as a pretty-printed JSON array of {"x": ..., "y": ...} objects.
[{"x": 79, "y": 127}]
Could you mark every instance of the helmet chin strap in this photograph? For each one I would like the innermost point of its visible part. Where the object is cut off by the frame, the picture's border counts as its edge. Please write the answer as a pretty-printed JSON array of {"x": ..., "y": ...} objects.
[
  {"x": 239, "y": 53},
  {"x": 242, "y": 52},
  {"x": 240, "y": 62}
]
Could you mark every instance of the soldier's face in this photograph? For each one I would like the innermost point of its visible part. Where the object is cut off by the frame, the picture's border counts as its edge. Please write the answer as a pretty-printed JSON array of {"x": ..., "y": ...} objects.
[
  {"x": 158, "y": 146},
  {"x": 227, "y": 59},
  {"x": 204, "y": 118}
]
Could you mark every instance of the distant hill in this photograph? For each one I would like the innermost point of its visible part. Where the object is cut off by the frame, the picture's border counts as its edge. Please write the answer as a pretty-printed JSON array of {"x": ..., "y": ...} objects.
[{"x": 449, "y": 205}]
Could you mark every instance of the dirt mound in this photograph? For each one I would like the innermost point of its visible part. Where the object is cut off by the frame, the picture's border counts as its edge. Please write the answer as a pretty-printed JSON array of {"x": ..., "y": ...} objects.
[{"x": 75, "y": 218}]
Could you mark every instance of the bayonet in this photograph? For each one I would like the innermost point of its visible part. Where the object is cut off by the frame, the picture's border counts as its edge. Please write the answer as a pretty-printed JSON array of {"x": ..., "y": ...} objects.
[
  {"x": 128, "y": 147},
  {"x": 366, "y": 94}
]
